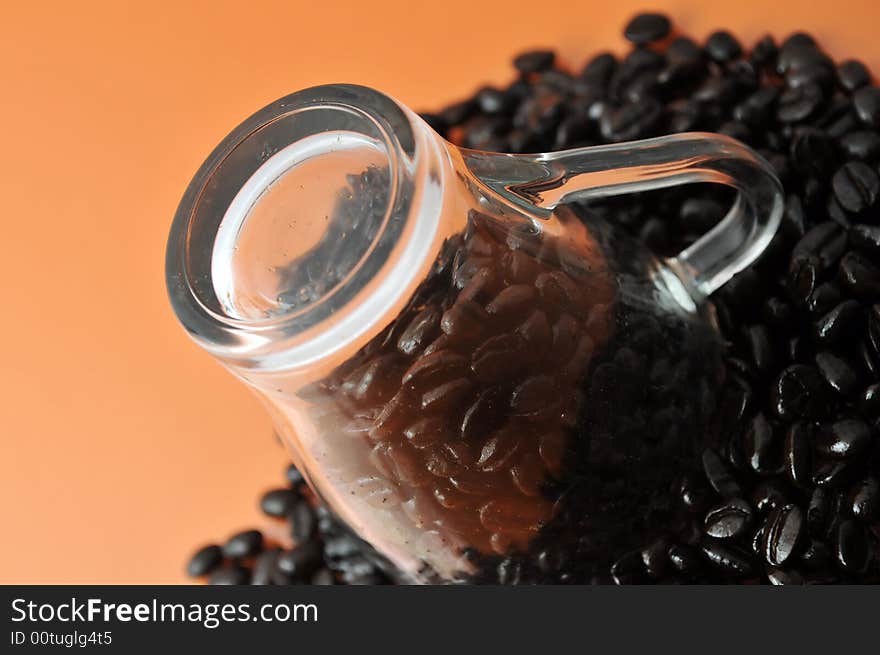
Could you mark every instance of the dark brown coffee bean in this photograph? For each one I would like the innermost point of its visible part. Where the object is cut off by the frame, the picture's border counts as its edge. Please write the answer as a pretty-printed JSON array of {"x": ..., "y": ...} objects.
[
  {"x": 819, "y": 510},
  {"x": 204, "y": 561},
  {"x": 840, "y": 323},
  {"x": 853, "y": 75},
  {"x": 426, "y": 432},
  {"x": 866, "y": 238},
  {"x": 860, "y": 276},
  {"x": 770, "y": 494},
  {"x": 729, "y": 559},
  {"x": 498, "y": 450},
  {"x": 439, "y": 365},
  {"x": 800, "y": 103},
  {"x": 826, "y": 241},
  {"x": 782, "y": 531},
  {"x": 799, "y": 454},
  {"x": 780, "y": 577},
  {"x": 464, "y": 319},
  {"x": 853, "y": 547},
  {"x": 513, "y": 301},
  {"x": 846, "y": 438},
  {"x": 447, "y": 395},
  {"x": 719, "y": 475},
  {"x": 722, "y": 46},
  {"x": 760, "y": 446},
  {"x": 800, "y": 392},
  {"x": 832, "y": 473},
  {"x": 484, "y": 415},
  {"x": 631, "y": 121},
  {"x": 866, "y": 102},
  {"x": 837, "y": 373},
  {"x": 856, "y": 186},
  {"x": 865, "y": 500},
  {"x": 534, "y": 395},
  {"x": 244, "y": 544},
  {"x": 534, "y": 61},
  {"x": 728, "y": 520},
  {"x": 536, "y": 331},
  {"x": 420, "y": 331},
  {"x": 645, "y": 28},
  {"x": 278, "y": 502}
]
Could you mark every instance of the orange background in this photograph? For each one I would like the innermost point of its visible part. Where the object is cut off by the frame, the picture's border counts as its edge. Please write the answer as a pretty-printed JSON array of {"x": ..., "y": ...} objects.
[{"x": 123, "y": 445}]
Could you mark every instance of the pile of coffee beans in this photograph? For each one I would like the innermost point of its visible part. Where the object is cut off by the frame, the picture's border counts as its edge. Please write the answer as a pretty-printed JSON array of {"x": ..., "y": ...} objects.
[{"x": 788, "y": 488}]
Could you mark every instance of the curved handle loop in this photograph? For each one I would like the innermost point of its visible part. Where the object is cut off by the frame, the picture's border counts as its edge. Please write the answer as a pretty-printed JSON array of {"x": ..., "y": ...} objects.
[{"x": 543, "y": 181}]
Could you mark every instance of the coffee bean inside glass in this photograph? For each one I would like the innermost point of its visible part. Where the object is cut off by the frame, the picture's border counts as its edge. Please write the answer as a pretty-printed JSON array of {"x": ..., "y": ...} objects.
[{"x": 470, "y": 373}]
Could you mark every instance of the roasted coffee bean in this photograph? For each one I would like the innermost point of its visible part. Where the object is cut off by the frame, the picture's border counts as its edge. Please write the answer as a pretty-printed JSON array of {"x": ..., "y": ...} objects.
[
  {"x": 799, "y": 454},
  {"x": 719, "y": 475},
  {"x": 860, "y": 276},
  {"x": 865, "y": 500},
  {"x": 839, "y": 375},
  {"x": 800, "y": 103},
  {"x": 853, "y": 75},
  {"x": 534, "y": 61},
  {"x": 655, "y": 558},
  {"x": 729, "y": 559},
  {"x": 853, "y": 547},
  {"x": 728, "y": 520},
  {"x": 764, "y": 52},
  {"x": 204, "y": 561},
  {"x": 300, "y": 562},
  {"x": 265, "y": 567},
  {"x": 832, "y": 473},
  {"x": 802, "y": 276},
  {"x": 856, "y": 186},
  {"x": 784, "y": 577},
  {"x": 303, "y": 522},
  {"x": 840, "y": 323},
  {"x": 800, "y": 392},
  {"x": 761, "y": 349},
  {"x": 278, "y": 502},
  {"x": 598, "y": 71},
  {"x": 244, "y": 544},
  {"x": 824, "y": 298},
  {"x": 815, "y": 555},
  {"x": 770, "y": 494},
  {"x": 826, "y": 241},
  {"x": 866, "y": 102},
  {"x": 645, "y": 28},
  {"x": 818, "y": 512},
  {"x": 782, "y": 531},
  {"x": 722, "y": 46},
  {"x": 869, "y": 403},
  {"x": 294, "y": 477},
  {"x": 628, "y": 569},
  {"x": 864, "y": 145},
  {"x": 685, "y": 559},
  {"x": 492, "y": 100},
  {"x": 232, "y": 575},
  {"x": 813, "y": 152},
  {"x": 866, "y": 238},
  {"x": 846, "y": 438},
  {"x": 631, "y": 121},
  {"x": 760, "y": 446}
]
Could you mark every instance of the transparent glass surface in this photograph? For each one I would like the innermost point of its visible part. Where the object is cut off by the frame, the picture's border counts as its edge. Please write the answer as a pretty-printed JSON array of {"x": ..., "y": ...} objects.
[{"x": 465, "y": 370}]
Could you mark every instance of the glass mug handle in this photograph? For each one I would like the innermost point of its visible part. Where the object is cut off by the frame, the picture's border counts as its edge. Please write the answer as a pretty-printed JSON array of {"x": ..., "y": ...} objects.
[{"x": 540, "y": 182}]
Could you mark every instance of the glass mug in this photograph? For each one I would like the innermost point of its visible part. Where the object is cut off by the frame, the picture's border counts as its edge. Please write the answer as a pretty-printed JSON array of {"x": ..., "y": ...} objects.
[{"x": 473, "y": 377}]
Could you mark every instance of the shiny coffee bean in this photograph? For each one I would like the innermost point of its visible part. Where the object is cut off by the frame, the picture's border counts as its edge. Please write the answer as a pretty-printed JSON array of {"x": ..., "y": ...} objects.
[
  {"x": 783, "y": 529},
  {"x": 719, "y": 475},
  {"x": 645, "y": 28},
  {"x": 722, "y": 46},
  {"x": 761, "y": 447},
  {"x": 800, "y": 392},
  {"x": 865, "y": 500},
  {"x": 729, "y": 559},
  {"x": 866, "y": 102},
  {"x": 853, "y": 75},
  {"x": 233, "y": 575},
  {"x": 846, "y": 438},
  {"x": 837, "y": 373},
  {"x": 840, "y": 323},
  {"x": 856, "y": 186},
  {"x": 860, "y": 276},
  {"x": 728, "y": 520},
  {"x": 278, "y": 502},
  {"x": 864, "y": 145},
  {"x": 853, "y": 547},
  {"x": 204, "y": 561},
  {"x": 534, "y": 61},
  {"x": 798, "y": 455},
  {"x": 244, "y": 544}
]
